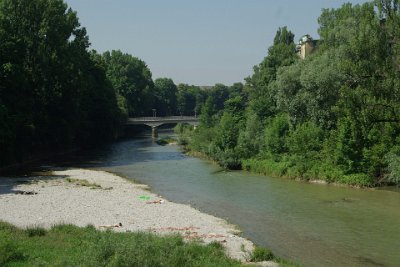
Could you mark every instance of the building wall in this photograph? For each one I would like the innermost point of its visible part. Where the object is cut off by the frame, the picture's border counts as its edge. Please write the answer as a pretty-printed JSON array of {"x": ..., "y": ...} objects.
[{"x": 306, "y": 49}]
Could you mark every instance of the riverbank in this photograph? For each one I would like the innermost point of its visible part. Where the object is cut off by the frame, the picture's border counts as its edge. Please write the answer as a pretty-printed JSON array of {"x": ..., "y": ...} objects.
[
  {"x": 277, "y": 170},
  {"x": 85, "y": 197}
]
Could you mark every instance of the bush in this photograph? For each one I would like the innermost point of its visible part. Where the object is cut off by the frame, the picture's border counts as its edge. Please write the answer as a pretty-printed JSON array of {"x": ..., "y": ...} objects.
[
  {"x": 307, "y": 138},
  {"x": 266, "y": 166},
  {"x": 393, "y": 161},
  {"x": 275, "y": 134},
  {"x": 357, "y": 179},
  {"x": 261, "y": 254},
  {"x": 327, "y": 172}
]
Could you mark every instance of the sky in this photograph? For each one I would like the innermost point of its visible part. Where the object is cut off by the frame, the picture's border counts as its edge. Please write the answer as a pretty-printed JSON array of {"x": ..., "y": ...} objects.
[{"x": 199, "y": 42}]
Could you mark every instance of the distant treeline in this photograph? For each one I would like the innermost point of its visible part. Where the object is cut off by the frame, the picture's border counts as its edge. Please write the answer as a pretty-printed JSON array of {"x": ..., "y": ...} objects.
[
  {"x": 57, "y": 95},
  {"x": 334, "y": 116}
]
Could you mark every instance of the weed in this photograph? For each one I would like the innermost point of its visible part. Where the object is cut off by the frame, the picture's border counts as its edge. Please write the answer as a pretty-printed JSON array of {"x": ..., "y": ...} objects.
[
  {"x": 86, "y": 183},
  {"x": 35, "y": 231}
]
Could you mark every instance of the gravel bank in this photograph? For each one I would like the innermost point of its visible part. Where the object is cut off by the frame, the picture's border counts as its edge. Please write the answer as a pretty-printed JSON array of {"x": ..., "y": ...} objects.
[{"x": 61, "y": 197}]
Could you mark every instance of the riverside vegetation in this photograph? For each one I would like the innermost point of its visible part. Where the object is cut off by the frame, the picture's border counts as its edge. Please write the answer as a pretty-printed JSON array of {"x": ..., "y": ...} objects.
[
  {"x": 334, "y": 116},
  {"x": 69, "y": 245}
]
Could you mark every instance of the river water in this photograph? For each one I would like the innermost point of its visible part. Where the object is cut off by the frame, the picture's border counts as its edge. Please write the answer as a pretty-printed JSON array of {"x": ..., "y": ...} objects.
[{"x": 315, "y": 225}]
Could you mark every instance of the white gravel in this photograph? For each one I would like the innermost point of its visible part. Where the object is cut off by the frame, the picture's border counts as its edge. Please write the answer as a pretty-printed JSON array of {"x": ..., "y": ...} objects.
[{"x": 59, "y": 201}]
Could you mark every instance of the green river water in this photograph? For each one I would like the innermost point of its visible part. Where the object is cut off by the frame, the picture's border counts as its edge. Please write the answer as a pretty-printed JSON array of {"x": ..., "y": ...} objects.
[{"x": 315, "y": 225}]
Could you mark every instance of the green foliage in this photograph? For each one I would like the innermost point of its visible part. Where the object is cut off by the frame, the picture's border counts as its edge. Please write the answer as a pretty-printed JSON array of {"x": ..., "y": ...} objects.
[
  {"x": 347, "y": 152},
  {"x": 190, "y": 99},
  {"x": 165, "y": 92},
  {"x": 266, "y": 167},
  {"x": 207, "y": 112},
  {"x": 261, "y": 254},
  {"x": 332, "y": 116},
  {"x": 275, "y": 135},
  {"x": 228, "y": 132},
  {"x": 261, "y": 95},
  {"x": 131, "y": 78},
  {"x": 235, "y": 106},
  {"x": 54, "y": 92},
  {"x": 250, "y": 139},
  {"x": 35, "y": 231},
  {"x": 357, "y": 179},
  {"x": 393, "y": 162},
  {"x": 9, "y": 252},
  {"x": 305, "y": 140},
  {"x": 68, "y": 245}
]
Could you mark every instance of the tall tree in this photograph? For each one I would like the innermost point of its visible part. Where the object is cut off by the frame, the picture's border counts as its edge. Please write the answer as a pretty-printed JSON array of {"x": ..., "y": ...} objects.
[
  {"x": 47, "y": 79},
  {"x": 131, "y": 79},
  {"x": 165, "y": 92},
  {"x": 281, "y": 53}
]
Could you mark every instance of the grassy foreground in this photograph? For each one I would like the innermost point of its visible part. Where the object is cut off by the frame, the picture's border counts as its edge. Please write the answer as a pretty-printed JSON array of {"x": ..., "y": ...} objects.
[{"x": 68, "y": 245}]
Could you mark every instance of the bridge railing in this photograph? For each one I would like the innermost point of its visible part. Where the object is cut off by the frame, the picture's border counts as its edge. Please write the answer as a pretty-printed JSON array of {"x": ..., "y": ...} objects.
[{"x": 170, "y": 118}]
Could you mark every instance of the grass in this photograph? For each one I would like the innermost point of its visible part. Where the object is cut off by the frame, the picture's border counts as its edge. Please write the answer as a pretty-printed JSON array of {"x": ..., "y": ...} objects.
[
  {"x": 261, "y": 254},
  {"x": 68, "y": 245},
  {"x": 86, "y": 183}
]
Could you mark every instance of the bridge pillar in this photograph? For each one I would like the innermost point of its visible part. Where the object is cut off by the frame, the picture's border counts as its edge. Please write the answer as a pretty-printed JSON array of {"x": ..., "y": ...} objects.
[{"x": 154, "y": 131}]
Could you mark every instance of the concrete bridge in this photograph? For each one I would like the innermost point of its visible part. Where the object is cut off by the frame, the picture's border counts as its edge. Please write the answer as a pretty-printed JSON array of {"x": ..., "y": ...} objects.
[{"x": 154, "y": 122}]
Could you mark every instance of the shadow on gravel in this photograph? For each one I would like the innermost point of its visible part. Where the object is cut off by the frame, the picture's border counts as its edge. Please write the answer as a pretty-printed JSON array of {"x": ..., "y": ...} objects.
[{"x": 8, "y": 184}]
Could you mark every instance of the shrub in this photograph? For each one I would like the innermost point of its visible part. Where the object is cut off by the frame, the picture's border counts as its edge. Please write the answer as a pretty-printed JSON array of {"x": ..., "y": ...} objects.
[
  {"x": 261, "y": 254},
  {"x": 357, "y": 179},
  {"x": 305, "y": 139},
  {"x": 266, "y": 166},
  {"x": 275, "y": 134},
  {"x": 393, "y": 161}
]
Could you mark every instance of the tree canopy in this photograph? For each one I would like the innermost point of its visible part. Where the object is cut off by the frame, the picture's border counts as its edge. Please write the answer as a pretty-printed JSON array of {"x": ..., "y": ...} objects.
[{"x": 332, "y": 116}]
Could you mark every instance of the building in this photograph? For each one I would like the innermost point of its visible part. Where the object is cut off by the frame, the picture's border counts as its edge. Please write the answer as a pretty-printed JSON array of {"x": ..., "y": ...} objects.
[{"x": 306, "y": 46}]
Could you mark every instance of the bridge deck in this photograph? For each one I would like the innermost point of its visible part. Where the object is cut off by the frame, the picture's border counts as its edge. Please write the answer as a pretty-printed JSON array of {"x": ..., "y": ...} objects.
[{"x": 162, "y": 120}]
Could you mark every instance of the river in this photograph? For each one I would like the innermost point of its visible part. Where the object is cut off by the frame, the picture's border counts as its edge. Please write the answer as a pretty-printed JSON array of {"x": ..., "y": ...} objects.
[{"x": 315, "y": 225}]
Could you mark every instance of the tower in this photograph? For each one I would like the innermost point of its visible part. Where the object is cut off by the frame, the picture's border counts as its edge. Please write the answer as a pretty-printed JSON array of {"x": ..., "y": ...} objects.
[{"x": 305, "y": 46}]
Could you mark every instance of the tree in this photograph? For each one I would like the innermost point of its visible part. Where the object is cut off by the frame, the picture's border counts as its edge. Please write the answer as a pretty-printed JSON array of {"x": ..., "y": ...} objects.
[
  {"x": 208, "y": 112},
  {"x": 131, "y": 78},
  {"x": 189, "y": 99},
  {"x": 51, "y": 88},
  {"x": 281, "y": 53},
  {"x": 165, "y": 92}
]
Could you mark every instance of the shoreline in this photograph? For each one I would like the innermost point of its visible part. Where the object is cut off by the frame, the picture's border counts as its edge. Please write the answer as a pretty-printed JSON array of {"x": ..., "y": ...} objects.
[
  {"x": 318, "y": 182},
  {"x": 87, "y": 197}
]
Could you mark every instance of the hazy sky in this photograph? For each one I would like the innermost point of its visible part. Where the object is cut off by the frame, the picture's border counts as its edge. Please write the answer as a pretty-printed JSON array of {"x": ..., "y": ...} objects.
[{"x": 200, "y": 42}]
